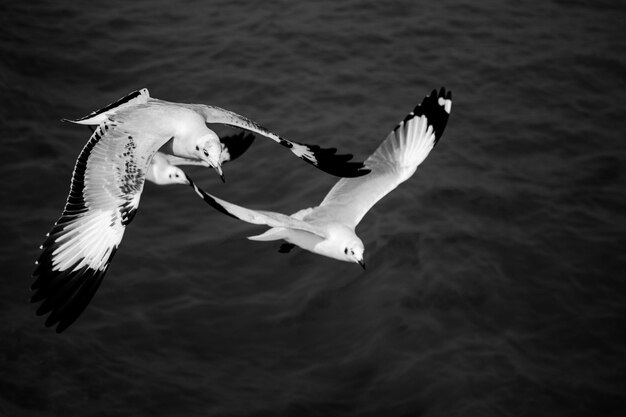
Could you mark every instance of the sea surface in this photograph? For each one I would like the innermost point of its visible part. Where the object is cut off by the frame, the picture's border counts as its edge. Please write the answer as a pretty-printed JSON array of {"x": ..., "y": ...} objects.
[{"x": 495, "y": 281}]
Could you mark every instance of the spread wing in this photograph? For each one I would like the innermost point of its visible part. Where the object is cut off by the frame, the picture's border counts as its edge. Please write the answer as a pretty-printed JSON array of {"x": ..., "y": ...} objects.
[
  {"x": 395, "y": 160},
  {"x": 325, "y": 159},
  {"x": 104, "y": 195},
  {"x": 268, "y": 218}
]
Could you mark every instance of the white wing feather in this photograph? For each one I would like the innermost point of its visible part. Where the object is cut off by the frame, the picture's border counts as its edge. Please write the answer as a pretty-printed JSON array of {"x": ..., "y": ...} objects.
[
  {"x": 104, "y": 195},
  {"x": 261, "y": 217},
  {"x": 395, "y": 160}
]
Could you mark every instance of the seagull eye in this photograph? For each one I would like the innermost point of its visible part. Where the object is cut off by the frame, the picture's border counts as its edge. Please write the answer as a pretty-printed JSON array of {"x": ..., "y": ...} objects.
[
  {"x": 345, "y": 251},
  {"x": 197, "y": 148}
]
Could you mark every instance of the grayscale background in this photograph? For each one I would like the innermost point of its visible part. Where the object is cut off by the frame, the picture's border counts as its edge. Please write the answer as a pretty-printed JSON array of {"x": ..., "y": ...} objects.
[{"x": 495, "y": 282}]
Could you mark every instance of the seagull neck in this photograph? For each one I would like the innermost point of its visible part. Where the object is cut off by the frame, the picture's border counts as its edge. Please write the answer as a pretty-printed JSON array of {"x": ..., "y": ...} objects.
[
  {"x": 331, "y": 248},
  {"x": 174, "y": 147}
]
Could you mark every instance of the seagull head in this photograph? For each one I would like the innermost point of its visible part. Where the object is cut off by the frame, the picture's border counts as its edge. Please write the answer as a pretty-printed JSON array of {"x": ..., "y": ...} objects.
[
  {"x": 209, "y": 150},
  {"x": 353, "y": 252},
  {"x": 161, "y": 172},
  {"x": 174, "y": 175}
]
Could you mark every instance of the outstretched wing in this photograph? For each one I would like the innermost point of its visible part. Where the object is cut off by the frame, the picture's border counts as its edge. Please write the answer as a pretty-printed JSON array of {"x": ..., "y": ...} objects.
[
  {"x": 395, "y": 160},
  {"x": 325, "y": 159},
  {"x": 268, "y": 218},
  {"x": 104, "y": 195}
]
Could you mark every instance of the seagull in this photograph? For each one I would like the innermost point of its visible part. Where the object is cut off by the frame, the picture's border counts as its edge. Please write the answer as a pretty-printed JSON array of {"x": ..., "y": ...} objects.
[
  {"x": 210, "y": 148},
  {"x": 329, "y": 229},
  {"x": 108, "y": 180}
]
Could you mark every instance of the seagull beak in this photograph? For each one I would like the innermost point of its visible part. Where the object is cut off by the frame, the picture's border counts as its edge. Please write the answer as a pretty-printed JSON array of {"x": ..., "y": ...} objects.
[
  {"x": 220, "y": 173},
  {"x": 217, "y": 168},
  {"x": 362, "y": 263},
  {"x": 189, "y": 181}
]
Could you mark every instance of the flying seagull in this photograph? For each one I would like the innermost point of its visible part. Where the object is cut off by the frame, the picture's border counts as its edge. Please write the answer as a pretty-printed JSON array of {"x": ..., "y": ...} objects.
[
  {"x": 328, "y": 229},
  {"x": 108, "y": 180},
  {"x": 196, "y": 116}
]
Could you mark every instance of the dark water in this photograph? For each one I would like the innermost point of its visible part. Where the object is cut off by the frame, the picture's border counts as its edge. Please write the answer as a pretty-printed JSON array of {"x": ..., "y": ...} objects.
[{"x": 495, "y": 281}]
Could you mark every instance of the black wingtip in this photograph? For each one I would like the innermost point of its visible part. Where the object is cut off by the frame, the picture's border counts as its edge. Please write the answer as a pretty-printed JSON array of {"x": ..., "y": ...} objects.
[
  {"x": 436, "y": 108},
  {"x": 63, "y": 294},
  {"x": 208, "y": 199},
  {"x": 345, "y": 170},
  {"x": 327, "y": 160}
]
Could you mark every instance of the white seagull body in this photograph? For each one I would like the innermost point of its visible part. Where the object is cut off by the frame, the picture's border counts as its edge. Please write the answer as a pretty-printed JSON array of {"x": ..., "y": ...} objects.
[
  {"x": 108, "y": 180},
  {"x": 329, "y": 229}
]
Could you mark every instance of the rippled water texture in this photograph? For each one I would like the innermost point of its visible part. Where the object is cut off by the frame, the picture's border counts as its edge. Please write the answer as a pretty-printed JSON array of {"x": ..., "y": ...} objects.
[{"x": 495, "y": 281}]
